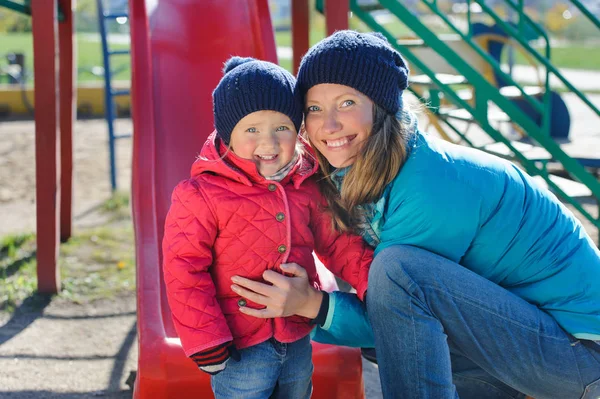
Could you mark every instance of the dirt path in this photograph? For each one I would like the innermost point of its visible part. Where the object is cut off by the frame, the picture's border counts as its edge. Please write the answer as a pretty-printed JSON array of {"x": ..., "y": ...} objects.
[
  {"x": 58, "y": 349},
  {"x": 64, "y": 350}
]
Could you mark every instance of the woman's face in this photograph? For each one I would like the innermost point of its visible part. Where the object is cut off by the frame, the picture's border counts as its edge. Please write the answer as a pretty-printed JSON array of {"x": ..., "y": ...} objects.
[{"x": 338, "y": 121}]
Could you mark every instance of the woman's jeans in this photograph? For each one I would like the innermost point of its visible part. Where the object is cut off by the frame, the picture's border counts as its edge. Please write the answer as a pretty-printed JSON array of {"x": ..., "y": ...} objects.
[
  {"x": 268, "y": 370},
  {"x": 432, "y": 318}
]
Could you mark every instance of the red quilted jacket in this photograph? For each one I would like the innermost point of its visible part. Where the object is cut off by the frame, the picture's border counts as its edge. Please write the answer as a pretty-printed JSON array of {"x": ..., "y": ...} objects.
[{"x": 228, "y": 220}]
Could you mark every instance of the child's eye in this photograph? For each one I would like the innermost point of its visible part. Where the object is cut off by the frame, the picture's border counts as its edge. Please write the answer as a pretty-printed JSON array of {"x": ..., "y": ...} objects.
[
  {"x": 312, "y": 108},
  {"x": 282, "y": 128},
  {"x": 251, "y": 130},
  {"x": 348, "y": 103}
]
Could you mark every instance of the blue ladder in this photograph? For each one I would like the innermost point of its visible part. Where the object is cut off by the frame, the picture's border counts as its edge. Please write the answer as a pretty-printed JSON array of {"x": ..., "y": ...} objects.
[{"x": 109, "y": 92}]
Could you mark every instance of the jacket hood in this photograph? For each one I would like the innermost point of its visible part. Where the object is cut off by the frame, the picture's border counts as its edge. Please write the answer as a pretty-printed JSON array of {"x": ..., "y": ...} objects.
[{"x": 244, "y": 171}]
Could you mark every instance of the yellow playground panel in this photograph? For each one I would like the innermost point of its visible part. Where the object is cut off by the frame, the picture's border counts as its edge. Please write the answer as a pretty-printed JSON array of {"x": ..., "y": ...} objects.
[{"x": 16, "y": 100}]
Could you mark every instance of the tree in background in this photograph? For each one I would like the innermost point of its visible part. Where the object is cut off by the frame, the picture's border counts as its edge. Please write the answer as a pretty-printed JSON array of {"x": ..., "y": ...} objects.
[{"x": 14, "y": 22}]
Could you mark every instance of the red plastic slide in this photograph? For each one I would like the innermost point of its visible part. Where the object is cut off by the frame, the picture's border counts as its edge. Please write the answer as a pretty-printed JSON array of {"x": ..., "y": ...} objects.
[{"x": 178, "y": 49}]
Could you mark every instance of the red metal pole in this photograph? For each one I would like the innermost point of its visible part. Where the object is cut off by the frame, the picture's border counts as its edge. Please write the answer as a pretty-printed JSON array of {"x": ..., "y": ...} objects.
[
  {"x": 336, "y": 15},
  {"x": 67, "y": 81},
  {"x": 47, "y": 172},
  {"x": 300, "y": 31}
]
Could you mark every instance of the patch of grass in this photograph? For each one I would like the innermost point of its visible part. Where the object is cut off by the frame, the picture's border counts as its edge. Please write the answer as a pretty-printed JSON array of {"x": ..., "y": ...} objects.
[
  {"x": 98, "y": 263},
  {"x": 117, "y": 206},
  {"x": 17, "y": 269},
  {"x": 89, "y": 54},
  {"x": 9, "y": 245},
  {"x": 94, "y": 264}
]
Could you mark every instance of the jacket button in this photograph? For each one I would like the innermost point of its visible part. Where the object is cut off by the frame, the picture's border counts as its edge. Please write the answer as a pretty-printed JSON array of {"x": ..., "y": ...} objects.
[
  {"x": 272, "y": 187},
  {"x": 241, "y": 302},
  {"x": 282, "y": 248},
  {"x": 280, "y": 216}
]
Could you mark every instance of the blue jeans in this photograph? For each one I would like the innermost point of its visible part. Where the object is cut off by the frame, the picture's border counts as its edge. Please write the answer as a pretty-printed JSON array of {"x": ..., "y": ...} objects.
[
  {"x": 268, "y": 370},
  {"x": 442, "y": 331}
]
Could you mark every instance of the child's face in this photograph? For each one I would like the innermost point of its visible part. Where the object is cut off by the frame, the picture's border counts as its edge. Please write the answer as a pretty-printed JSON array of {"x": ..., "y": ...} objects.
[{"x": 268, "y": 138}]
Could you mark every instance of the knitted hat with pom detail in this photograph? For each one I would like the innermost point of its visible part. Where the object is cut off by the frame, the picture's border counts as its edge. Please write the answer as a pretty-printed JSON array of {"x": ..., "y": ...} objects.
[
  {"x": 364, "y": 61},
  {"x": 249, "y": 85}
]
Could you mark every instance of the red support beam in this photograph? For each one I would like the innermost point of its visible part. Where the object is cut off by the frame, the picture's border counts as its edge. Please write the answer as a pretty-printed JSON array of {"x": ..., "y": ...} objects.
[
  {"x": 67, "y": 81},
  {"x": 47, "y": 141},
  {"x": 300, "y": 31},
  {"x": 336, "y": 15}
]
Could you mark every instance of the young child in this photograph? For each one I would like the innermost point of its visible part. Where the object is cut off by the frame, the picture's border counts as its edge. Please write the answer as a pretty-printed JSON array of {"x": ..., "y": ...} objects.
[{"x": 250, "y": 205}]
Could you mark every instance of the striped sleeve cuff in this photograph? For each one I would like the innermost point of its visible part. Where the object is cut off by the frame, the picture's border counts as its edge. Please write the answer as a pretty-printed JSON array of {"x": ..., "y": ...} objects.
[{"x": 213, "y": 356}]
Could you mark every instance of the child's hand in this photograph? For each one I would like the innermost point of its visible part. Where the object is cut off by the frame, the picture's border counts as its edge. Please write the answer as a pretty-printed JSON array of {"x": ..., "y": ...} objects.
[{"x": 286, "y": 296}]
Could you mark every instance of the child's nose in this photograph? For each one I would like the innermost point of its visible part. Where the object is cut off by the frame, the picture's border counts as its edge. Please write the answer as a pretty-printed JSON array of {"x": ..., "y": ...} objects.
[{"x": 269, "y": 142}]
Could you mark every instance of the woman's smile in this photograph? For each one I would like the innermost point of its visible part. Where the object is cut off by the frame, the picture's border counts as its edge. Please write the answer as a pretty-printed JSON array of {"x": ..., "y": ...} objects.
[
  {"x": 333, "y": 111},
  {"x": 339, "y": 144}
]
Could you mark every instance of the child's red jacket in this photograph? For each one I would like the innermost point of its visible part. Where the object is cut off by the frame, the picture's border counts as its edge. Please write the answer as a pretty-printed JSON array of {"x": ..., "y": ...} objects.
[{"x": 228, "y": 220}]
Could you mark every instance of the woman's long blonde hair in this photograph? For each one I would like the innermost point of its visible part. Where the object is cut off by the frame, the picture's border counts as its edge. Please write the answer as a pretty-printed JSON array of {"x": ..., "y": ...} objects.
[{"x": 376, "y": 165}]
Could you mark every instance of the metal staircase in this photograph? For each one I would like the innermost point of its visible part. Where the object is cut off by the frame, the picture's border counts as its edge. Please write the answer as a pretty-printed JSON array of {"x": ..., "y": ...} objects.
[
  {"x": 109, "y": 91},
  {"x": 490, "y": 105}
]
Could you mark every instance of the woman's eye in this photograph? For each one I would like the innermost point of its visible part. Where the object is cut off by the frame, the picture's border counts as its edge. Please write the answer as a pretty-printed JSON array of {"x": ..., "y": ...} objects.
[
  {"x": 347, "y": 103},
  {"x": 251, "y": 130},
  {"x": 282, "y": 128},
  {"x": 313, "y": 108}
]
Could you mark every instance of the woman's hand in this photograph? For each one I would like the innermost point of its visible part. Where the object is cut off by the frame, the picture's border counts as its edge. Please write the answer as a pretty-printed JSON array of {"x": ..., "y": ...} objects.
[{"x": 287, "y": 296}]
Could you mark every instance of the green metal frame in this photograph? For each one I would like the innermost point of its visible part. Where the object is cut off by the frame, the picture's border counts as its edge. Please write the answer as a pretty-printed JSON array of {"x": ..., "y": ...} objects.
[
  {"x": 21, "y": 7},
  {"x": 543, "y": 60},
  {"x": 24, "y": 8},
  {"x": 523, "y": 19},
  {"x": 586, "y": 12},
  {"x": 486, "y": 91}
]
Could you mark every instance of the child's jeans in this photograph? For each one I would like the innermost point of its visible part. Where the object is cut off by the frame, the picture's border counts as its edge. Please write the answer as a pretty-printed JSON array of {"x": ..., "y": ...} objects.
[{"x": 268, "y": 370}]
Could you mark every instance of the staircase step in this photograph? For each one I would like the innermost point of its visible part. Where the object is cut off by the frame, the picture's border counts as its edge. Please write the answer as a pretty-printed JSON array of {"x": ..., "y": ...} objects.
[
  {"x": 572, "y": 188},
  {"x": 119, "y": 52},
  {"x": 371, "y": 5},
  {"x": 124, "y": 92},
  {"x": 444, "y": 78},
  {"x": 585, "y": 149},
  {"x": 531, "y": 152},
  {"x": 116, "y": 15},
  {"x": 463, "y": 115},
  {"x": 411, "y": 43},
  {"x": 514, "y": 92}
]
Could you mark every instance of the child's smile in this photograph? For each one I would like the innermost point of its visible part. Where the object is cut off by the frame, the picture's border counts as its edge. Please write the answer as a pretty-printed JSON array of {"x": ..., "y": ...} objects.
[{"x": 268, "y": 138}]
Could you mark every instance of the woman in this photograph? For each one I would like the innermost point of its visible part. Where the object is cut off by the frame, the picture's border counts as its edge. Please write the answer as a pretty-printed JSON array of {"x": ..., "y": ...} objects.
[{"x": 483, "y": 284}]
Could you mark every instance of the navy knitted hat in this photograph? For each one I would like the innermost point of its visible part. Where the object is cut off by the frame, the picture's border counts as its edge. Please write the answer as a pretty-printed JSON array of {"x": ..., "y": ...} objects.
[
  {"x": 251, "y": 85},
  {"x": 363, "y": 61}
]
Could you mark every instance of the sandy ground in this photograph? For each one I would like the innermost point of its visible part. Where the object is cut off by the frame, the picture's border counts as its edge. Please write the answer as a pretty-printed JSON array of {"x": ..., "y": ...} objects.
[
  {"x": 67, "y": 350},
  {"x": 91, "y": 179}
]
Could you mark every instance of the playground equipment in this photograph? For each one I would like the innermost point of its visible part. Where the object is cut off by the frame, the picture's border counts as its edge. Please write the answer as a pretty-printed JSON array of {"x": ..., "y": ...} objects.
[
  {"x": 110, "y": 92},
  {"x": 178, "y": 47},
  {"x": 178, "y": 50},
  {"x": 53, "y": 129},
  {"x": 18, "y": 99}
]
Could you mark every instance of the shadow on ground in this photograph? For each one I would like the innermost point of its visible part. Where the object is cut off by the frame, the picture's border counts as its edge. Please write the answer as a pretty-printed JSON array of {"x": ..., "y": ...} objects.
[{"x": 29, "y": 311}]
